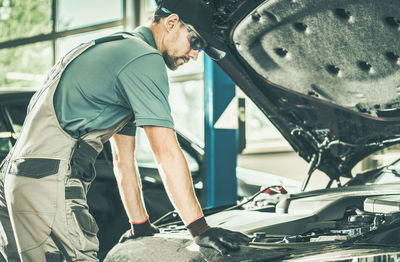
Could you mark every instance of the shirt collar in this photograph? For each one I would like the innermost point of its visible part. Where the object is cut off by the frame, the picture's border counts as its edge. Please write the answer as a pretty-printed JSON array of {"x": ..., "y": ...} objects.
[{"x": 145, "y": 34}]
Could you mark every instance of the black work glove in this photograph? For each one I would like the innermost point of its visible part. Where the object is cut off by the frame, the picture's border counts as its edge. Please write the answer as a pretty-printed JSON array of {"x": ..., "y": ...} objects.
[
  {"x": 139, "y": 230},
  {"x": 220, "y": 239}
]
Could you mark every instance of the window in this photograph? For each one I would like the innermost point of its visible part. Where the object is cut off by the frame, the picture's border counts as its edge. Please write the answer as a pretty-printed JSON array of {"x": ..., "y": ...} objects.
[
  {"x": 35, "y": 33},
  {"x": 65, "y": 44},
  {"x": 90, "y": 12},
  {"x": 25, "y": 65},
  {"x": 148, "y": 10},
  {"x": 150, "y": 6},
  {"x": 187, "y": 97},
  {"x": 21, "y": 19},
  {"x": 187, "y": 104}
]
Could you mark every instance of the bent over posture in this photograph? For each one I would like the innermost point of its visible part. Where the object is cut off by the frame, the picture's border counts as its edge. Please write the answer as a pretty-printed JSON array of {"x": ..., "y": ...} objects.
[{"x": 100, "y": 90}]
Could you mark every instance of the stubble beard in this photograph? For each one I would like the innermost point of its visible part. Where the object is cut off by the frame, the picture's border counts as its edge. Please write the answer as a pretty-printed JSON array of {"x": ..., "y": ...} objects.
[{"x": 172, "y": 61}]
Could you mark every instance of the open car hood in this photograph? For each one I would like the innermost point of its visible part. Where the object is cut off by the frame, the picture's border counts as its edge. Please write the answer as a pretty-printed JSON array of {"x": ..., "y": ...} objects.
[{"x": 326, "y": 73}]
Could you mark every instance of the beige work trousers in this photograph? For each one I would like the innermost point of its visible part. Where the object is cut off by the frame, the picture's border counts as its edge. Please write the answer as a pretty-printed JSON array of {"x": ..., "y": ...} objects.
[{"x": 50, "y": 217}]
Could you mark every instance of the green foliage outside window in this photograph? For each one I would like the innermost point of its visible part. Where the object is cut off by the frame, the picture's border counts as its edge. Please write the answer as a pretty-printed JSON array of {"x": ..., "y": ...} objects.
[
  {"x": 24, "y": 65},
  {"x": 26, "y": 18}
]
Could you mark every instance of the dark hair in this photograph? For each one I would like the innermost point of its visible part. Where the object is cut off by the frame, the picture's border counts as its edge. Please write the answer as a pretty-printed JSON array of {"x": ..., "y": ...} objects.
[
  {"x": 158, "y": 14},
  {"x": 156, "y": 19}
]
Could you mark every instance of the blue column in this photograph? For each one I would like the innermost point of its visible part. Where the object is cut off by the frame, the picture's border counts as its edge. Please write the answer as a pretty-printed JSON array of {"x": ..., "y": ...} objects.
[{"x": 220, "y": 144}]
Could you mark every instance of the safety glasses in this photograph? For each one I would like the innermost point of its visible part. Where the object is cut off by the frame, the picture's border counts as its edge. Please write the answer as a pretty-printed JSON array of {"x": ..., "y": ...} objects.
[{"x": 196, "y": 43}]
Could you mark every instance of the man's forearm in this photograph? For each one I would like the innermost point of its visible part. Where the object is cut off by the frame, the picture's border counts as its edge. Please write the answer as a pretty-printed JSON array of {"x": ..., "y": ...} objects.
[
  {"x": 175, "y": 173},
  {"x": 131, "y": 194},
  {"x": 177, "y": 179},
  {"x": 127, "y": 176}
]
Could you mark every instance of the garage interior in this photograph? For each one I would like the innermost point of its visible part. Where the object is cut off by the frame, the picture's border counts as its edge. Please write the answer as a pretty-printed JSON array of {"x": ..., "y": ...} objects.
[
  {"x": 31, "y": 44},
  {"x": 208, "y": 109}
]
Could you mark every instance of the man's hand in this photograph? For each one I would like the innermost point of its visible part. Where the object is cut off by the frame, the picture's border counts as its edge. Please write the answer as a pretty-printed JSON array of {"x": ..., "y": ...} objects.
[
  {"x": 222, "y": 240},
  {"x": 176, "y": 177},
  {"x": 139, "y": 230}
]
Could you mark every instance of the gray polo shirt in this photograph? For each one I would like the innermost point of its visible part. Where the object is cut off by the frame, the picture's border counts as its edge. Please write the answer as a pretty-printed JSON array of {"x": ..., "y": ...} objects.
[{"x": 111, "y": 81}]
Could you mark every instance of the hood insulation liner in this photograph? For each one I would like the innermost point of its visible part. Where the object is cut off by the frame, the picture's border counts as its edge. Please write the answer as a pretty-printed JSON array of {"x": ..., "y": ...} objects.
[{"x": 345, "y": 52}]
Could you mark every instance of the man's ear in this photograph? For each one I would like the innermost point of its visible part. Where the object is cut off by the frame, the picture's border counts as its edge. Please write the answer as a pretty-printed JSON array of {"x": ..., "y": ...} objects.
[{"x": 171, "y": 22}]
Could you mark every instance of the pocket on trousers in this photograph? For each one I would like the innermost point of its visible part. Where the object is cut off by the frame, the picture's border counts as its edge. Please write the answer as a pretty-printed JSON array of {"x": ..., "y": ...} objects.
[
  {"x": 34, "y": 167},
  {"x": 82, "y": 227},
  {"x": 83, "y": 170},
  {"x": 82, "y": 162},
  {"x": 85, "y": 221}
]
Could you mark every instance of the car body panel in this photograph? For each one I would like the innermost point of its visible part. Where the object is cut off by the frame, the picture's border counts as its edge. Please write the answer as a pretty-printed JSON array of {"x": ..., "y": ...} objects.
[
  {"x": 167, "y": 248},
  {"x": 342, "y": 118},
  {"x": 326, "y": 74},
  {"x": 327, "y": 232}
]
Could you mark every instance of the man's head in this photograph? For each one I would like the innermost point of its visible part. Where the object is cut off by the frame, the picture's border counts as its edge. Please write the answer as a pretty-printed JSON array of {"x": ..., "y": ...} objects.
[
  {"x": 181, "y": 30},
  {"x": 177, "y": 41}
]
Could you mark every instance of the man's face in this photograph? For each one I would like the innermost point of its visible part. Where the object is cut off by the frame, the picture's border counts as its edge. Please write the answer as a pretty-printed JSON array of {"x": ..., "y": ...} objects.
[
  {"x": 178, "y": 49},
  {"x": 173, "y": 62}
]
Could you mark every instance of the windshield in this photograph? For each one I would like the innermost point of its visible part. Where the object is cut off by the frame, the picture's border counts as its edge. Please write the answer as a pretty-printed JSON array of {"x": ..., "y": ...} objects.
[
  {"x": 391, "y": 174},
  {"x": 387, "y": 174}
]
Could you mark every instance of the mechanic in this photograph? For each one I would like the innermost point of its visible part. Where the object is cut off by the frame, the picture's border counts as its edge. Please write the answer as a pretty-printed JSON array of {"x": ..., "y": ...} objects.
[{"x": 103, "y": 90}]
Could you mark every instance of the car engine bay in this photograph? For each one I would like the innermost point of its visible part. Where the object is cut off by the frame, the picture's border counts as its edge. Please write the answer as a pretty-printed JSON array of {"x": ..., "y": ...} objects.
[
  {"x": 363, "y": 221},
  {"x": 337, "y": 215}
]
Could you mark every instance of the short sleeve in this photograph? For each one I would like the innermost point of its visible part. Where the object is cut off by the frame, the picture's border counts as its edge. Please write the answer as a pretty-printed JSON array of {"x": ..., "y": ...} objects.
[
  {"x": 129, "y": 129},
  {"x": 143, "y": 86}
]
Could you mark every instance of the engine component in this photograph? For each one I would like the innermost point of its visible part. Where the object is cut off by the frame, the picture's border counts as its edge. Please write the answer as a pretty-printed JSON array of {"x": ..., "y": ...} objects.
[{"x": 382, "y": 204}]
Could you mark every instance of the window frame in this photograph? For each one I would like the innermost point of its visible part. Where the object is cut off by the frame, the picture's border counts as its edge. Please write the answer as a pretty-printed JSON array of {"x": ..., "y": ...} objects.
[{"x": 54, "y": 35}]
